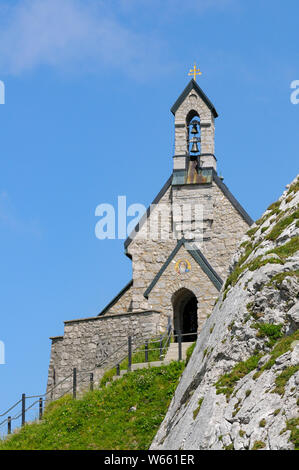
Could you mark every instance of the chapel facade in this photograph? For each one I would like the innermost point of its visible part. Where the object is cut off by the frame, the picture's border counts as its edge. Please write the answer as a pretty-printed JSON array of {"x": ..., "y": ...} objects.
[{"x": 180, "y": 252}]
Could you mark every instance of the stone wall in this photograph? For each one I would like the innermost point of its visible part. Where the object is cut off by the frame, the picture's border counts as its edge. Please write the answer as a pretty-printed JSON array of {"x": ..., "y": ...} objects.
[
  {"x": 90, "y": 345},
  {"x": 171, "y": 282}
]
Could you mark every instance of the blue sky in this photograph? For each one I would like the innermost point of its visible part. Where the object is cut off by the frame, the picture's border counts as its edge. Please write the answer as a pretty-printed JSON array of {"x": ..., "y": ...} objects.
[{"x": 89, "y": 86}]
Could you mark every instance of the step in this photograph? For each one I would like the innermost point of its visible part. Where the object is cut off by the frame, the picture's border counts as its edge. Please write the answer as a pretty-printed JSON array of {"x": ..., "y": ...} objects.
[
  {"x": 171, "y": 355},
  {"x": 140, "y": 365},
  {"x": 173, "y": 351}
]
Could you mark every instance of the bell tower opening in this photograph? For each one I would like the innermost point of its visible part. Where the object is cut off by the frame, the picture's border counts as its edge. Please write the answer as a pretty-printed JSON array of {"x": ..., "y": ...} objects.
[
  {"x": 185, "y": 315},
  {"x": 194, "y": 160}
]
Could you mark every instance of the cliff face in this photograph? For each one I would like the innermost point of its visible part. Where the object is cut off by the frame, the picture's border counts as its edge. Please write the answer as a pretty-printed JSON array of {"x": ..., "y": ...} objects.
[{"x": 240, "y": 388}]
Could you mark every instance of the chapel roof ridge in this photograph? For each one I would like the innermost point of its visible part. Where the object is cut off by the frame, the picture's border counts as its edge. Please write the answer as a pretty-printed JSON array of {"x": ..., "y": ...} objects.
[{"x": 193, "y": 85}]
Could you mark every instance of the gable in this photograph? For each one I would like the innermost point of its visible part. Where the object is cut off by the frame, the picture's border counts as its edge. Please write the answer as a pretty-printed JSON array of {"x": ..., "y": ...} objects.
[
  {"x": 192, "y": 85},
  {"x": 200, "y": 259}
]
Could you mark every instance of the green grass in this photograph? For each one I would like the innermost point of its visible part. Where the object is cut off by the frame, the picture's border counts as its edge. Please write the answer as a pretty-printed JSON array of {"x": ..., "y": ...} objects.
[
  {"x": 281, "y": 225},
  {"x": 283, "y": 379},
  {"x": 285, "y": 251},
  {"x": 258, "y": 262},
  {"x": 274, "y": 206},
  {"x": 288, "y": 249},
  {"x": 280, "y": 348},
  {"x": 293, "y": 426},
  {"x": 258, "y": 445},
  {"x": 189, "y": 352},
  {"x": 273, "y": 332},
  {"x": 294, "y": 187},
  {"x": 138, "y": 357},
  {"x": 252, "y": 231},
  {"x": 229, "y": 447},
  {"x": 278, "y": 278},
  {"x": 197, "y": 410},
  {"x": 227, "y": 382},
  {"x": 102, "y": 419}
]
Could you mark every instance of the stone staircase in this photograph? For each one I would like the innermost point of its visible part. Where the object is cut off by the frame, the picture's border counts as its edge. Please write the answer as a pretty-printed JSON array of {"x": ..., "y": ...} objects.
[
  {"x": 173, "y": 352},
  {"x": 171, "y": 355}
]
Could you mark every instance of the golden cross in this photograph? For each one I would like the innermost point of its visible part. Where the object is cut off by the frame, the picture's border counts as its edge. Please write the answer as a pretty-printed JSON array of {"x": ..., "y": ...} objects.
[{"x": 194, "y": 72}]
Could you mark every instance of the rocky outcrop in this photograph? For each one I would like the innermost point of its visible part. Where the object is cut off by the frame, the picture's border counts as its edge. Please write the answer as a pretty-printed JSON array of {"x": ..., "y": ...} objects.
[{"x": 240, "y": 388}]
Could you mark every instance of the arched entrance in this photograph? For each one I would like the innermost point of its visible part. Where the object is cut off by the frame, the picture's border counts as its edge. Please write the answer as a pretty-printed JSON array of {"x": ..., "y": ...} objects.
[{"x": 185, "y": 314}]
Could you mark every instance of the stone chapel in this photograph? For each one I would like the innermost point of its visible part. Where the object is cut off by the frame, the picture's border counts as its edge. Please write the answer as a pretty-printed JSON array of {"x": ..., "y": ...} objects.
[{"x": 174, "y": 280}]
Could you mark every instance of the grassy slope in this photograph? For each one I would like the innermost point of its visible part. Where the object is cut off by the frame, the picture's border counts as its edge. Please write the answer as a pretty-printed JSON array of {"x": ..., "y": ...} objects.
[{"x": 102, "y": 419}]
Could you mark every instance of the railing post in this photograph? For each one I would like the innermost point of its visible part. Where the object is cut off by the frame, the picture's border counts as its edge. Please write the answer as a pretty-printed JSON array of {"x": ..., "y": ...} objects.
[
  {"x": 74, "y": 383},
  {"x": 91, "y": 382},
  {"x": 40, "y": 409},
  {"x": 9, "y": 425},
  {"x": 161, "y": 347},
  {"x": 180, "y": 345},
  {"x": 23, "y": 409},
  {"x": 118, "y": 369},
  {"x": 146, "y": 351},
  {"x": 129, "y": 353}
]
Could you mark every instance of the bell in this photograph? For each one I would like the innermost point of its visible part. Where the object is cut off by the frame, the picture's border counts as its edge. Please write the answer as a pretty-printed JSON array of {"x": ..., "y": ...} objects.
[
  {"x": 194, "y": 128},
  {"x": 194, "y": 148}
]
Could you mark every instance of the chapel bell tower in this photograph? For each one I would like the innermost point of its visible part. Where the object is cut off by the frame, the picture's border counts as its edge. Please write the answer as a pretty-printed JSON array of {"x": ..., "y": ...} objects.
[{"x": 194, "y": 159}]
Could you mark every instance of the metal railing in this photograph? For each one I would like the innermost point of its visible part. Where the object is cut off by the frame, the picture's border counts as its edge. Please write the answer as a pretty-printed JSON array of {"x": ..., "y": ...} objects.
[{"x": 78, "y": 377}]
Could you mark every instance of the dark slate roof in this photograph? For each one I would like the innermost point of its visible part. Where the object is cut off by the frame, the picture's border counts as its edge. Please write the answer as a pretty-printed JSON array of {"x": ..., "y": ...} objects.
[
  {"x": 116, "y": 298},
  {"x": 193, "y": 85},
  {"x": 221, "y": 186},
  {"x": 198, "y": 257},
  {"x": 207, "y": 268}
]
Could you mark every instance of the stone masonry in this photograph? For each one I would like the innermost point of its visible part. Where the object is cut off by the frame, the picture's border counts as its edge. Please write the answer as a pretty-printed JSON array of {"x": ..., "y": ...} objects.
[{"x": 95, "y": 344}]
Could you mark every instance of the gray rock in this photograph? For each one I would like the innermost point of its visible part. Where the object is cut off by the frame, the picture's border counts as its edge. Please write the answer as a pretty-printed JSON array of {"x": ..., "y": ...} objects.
[{"x": 256, "y": 411}]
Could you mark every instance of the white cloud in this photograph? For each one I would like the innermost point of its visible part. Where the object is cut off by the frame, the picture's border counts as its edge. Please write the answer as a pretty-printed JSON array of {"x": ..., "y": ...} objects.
[
  {"x": 170, "y": 7},
  {"x": 71, "y": 33},
  {"x": 89, "y": 34}
]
